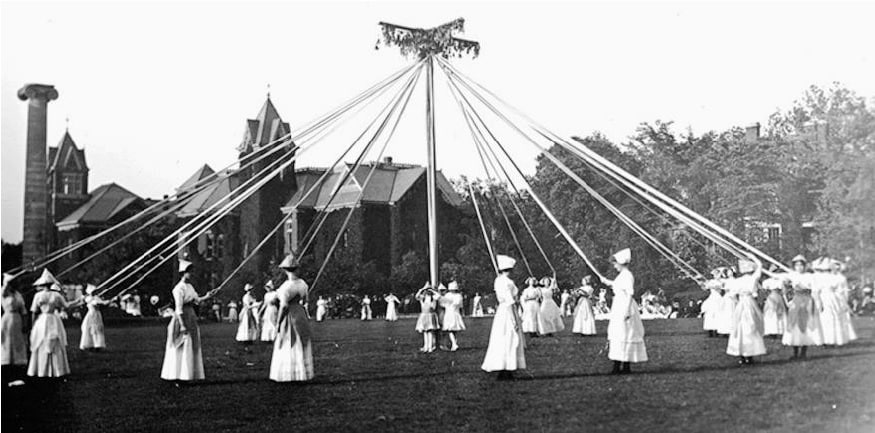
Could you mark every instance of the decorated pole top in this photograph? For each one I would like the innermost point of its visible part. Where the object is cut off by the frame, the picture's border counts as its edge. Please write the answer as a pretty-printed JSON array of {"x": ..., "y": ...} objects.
[{"x": 429, "y": 42}]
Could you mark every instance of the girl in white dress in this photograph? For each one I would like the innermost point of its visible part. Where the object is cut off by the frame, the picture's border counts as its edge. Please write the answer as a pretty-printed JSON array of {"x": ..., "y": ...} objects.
[
  {"x": 452, "y": 322},
  {"x": 92, "y": 325},
  {"x": 711, "y": 306},
  {"x": 774, "y": 310},
  {"x": 477, "y": 307},
  {"x": 321, "y": 309},
  {"x": 625, "y": 329},
  {"x": 834, "y": 319},
  {"x": 292, "y": 350},
  {"x": 183, "y": 360},
  {"x": 584, "y": 317},
  {"x": 247, "y": 330},
  {"x": 269, "y": 310},
  {"x": 746, "y": 339},
  {"x": 232, "y": 311},
  {"x": 392, "y": 303},
  {"x": 506, "y": 350},
  {"x": 13, "y": 350},
  {"x": 803, "y": 317},
  {"x": 366, "y": 308},
  {"x": 531, "y": 300},
  {"x": 48, "y": 338},
  {"x": 727, "y": 307},
  {"x": 549, "y": 314},
  {"x": 428, "y": 323}
]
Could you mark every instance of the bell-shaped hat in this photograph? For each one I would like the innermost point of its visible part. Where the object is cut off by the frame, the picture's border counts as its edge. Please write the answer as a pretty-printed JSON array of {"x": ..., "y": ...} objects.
[
  {"x": 89, "y": 289},
  {"x": 184, "y": 266},
  {"x": 290, "y": 262},
  {"x": 623, "y": 256},
  {"x": 799, "y": 258},
  {"x": 268, "y": 284},
  {"x": 46, "y": 279},
  {"x": 453, "y": 286},
  {"x": 247, "y": 287},
  {"x": 504, "y": 262}
]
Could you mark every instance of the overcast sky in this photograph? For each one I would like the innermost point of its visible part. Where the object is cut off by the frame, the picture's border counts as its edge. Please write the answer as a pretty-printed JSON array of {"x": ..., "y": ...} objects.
[{"x": 154, "y": 90}]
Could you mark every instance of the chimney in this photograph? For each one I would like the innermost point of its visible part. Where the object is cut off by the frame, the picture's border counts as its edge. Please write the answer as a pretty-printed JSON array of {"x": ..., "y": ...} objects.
[
  {"x": 35, "y": 242},
  {"x": 387, "y": 160},
  {"x": 752, "y": 133}
]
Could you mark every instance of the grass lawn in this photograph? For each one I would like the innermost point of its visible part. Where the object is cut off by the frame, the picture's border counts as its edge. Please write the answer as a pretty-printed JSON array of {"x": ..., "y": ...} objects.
[{"x": 371, "y": 377}]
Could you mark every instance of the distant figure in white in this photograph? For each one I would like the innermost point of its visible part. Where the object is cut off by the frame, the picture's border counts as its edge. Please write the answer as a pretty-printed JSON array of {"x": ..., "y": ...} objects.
[
  {"x": 247, "y": 330},
  {"x": 292, "y": 350},
  {"x": 625, "y": 329},
  {"x": 366, "y": 308},
  {"x": 727, "y": 306},
  {"x": 711, "y": 306},
  {"x": 506, "y": 350},
  {"x": 92, "y": 325},
  {"x": 531, "y": 303},
  {"x": 835, "y": 318},
  {"x": 48, "y": 338},
  {"x": 14, "y": 345},
  {"x": 321, "y": 309},
  {"x": 549, "y": 314},
  {"x": 452, "y": 321},
  {"x": 269, "y": 310},
  {"x": 183, "y": 360},
  {"x": 392, "y": 303},
  {"x": 774, "y": 309},
  {"x": 584, "y": 316},
  {"x": 477, "y": 305},
  {"x": 565, "y": 303},
  {"x": 232, "y": 311}
]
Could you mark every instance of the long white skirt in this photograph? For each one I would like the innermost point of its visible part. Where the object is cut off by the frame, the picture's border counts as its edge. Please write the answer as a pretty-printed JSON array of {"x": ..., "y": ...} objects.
[
  {"x": 48, "y": 345},
  {"x": 626, "y": 337},
  {"x": 92, "y": 331},
  {"x": 835, "y": 321},
  {"x": 803, "y": 322},
  {"x": 549, "y": 317},
  {"x": 452, "y": 320},
  {"x": 183, "y": 359},
  {"x": 268, "y": 323},
  {"x": 746, "y": 338},
  {"x": 292, "y": 359},
  {"x": 711, "y": 311},
  {"x": 530, "y": 316},
  {"x": 13, "y": 350},
  {"x": 725, "y": 315},
  {"x": 247, "y": 330},
  {"x": 584, "y": 318},
  {"x": 774, "y": 314},
  {"x": 506, "y": 349},
  {"x": 391, "y": 312}
]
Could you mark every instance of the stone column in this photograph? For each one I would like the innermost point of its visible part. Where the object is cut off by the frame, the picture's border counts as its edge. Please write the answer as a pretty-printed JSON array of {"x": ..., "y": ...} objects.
[{"x": 35, "y": 242}]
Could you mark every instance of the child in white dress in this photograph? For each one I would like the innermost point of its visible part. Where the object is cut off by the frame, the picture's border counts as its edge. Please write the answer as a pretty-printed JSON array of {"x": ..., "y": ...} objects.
[
  {"x": 428, "y": 323},
  {"x": 452, "y": 321}
]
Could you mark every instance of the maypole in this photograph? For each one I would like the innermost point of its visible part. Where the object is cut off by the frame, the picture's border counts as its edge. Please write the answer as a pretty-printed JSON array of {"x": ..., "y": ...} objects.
[{"x": 425, "y": 44}]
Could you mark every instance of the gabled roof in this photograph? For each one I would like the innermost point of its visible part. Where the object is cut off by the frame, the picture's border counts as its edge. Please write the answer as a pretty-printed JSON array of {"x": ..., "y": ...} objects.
[
  {"x": 66, "y": 156},
  {"x": 389, "y": 184},
  {"x": 201, "y": 173},
  {"x": 209, "y": 195},
  {"x": 104, "y": 204},
  {"x": 266, "y": 127}
]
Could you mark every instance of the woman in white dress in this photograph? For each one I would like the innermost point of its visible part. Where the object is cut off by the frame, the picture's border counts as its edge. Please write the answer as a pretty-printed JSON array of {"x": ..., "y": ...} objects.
[
  {"x": 366, "y": 308},
  {"x": 834, "y": 320},
  {"x": 803, "y": 317},
  {"x": 506, "y": 350},
  {"x": 321, "y": 308},
  {"x": 727, "y": 307},
  {"x": 477, "y": 307},
  {"x": 565, "y": 303},
  {"x": 247, "y": 330},
  {"x": 48, "y": 338},
  {"x": 292, "y": 359},
  {"x": 452, "y": 322},
  {"x": 746, "y": 339},
  {"x": 549, "y": 314},
  {"x": 13, "y": 350},
  {"x": 392, "y": 303},
  {"x": 183, "y": 360},
  {"x": 531, "y": 303},
  {"x": 92, "y": 325},
  {"x": 843, "y": 290},
  {"x": 584, "y": 316},
  {"x": 625, "y": 329},
  {"x": 269, "y": 310},
  {"x": 232, "y": 311},
  {"x": 428, "y": 323},
  {"x": 774, "y": 309},
  {"x": 711, "y": 306}
]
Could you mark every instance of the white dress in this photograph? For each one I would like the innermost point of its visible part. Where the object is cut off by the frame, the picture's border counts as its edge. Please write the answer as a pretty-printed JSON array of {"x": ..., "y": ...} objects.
[
  {"x": 803, "y": 317},
  {"x": 183, "y": 359},
  {"x": 452, "y": 305},
  {"x": 625, "y": 336},
  {"x": 774, "y": 310},
  {"x": 584, "y": 317},
  {"x": 292, "y": 350},
  {"x": 366, "y": 308},
  {"x": 322, "y": 309},
  {"x": 477, "y": 307},
  {"x": 531, "y": 300},
  {"x": 834, "y": 316},
  {"x": 746, "y": 338},
  {"x": 843, "y": 290},
  {"x": 247, "y": 330},
  {"x": 48, "y": 338},
  {"x": 506, "y": 349},
  {"x": 711, "y": 307},
  {"x": 392, "y": 308},
  {"x": 92, "y": 325},
  {"x": 565, "y": 304},
  {"x": 725, "y": 312},
  {"x": 549, "y": 314},
  {"x": 268, "y": 318},
  {"x": 13, "y": 350}
]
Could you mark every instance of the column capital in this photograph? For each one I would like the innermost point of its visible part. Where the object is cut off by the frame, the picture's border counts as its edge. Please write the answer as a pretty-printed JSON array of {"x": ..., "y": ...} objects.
[{"x": 37, "y": 91}]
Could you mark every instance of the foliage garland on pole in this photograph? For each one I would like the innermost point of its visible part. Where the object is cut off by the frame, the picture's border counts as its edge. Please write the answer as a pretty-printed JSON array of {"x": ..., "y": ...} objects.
[{"x": 426, "y": 42}]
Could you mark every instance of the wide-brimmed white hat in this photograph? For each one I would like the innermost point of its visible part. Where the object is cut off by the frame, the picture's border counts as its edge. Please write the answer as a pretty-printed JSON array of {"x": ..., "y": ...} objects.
[
  {"x": 289, "y": 262},
  {"x": 7, "y": 278},
  {"x": 268, "y": 284},
  {"x": 623, "y": 256},
  {"x": 89, "y": 289},
  {"x": 799, "y": 258},
  {"x": 247, "y": 287},
  {"x": 184, "y": 266},
  {"x": 453, "y": 286},
  {"x": 46, "y": 279},
  {"x": 504, "y": 262}
]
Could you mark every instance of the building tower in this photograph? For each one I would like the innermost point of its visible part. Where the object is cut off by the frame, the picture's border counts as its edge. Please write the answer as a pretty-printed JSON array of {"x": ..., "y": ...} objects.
[{"x": 36, "y": 219}]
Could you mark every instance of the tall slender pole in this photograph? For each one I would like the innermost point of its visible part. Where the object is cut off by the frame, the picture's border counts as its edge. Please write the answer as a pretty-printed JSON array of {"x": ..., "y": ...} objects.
[{"x": 431, "y": 174}]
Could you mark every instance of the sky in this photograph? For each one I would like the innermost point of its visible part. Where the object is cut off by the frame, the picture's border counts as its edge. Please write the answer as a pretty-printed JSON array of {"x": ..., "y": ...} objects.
[{"x": 154, "y": 90}]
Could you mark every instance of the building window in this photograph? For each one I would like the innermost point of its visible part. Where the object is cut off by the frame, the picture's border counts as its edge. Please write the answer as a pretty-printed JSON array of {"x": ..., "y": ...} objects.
[
  {"x": 290, "y": 235},
  {"x": 210, "y": 245},
  {"x": 220, "y": 246},
  {"x": 71, "y": 183},
  {"x": 774, "y": 236}
]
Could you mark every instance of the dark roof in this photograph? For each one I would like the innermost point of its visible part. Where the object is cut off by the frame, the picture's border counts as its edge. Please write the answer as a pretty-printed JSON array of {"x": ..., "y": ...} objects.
[
  {"x": 66, "y": 155},
  {"x": 209, "y": 195},
  {"x": 104, "y": 204},
  {"x": 389, "y": 184},
  {"x": 266, "y": 127}
]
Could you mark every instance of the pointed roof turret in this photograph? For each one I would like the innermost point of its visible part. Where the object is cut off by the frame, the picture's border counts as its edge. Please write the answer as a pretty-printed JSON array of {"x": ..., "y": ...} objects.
[
  {"x": 67, "y": 156},
  {"x": 266, "y": 127}
]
